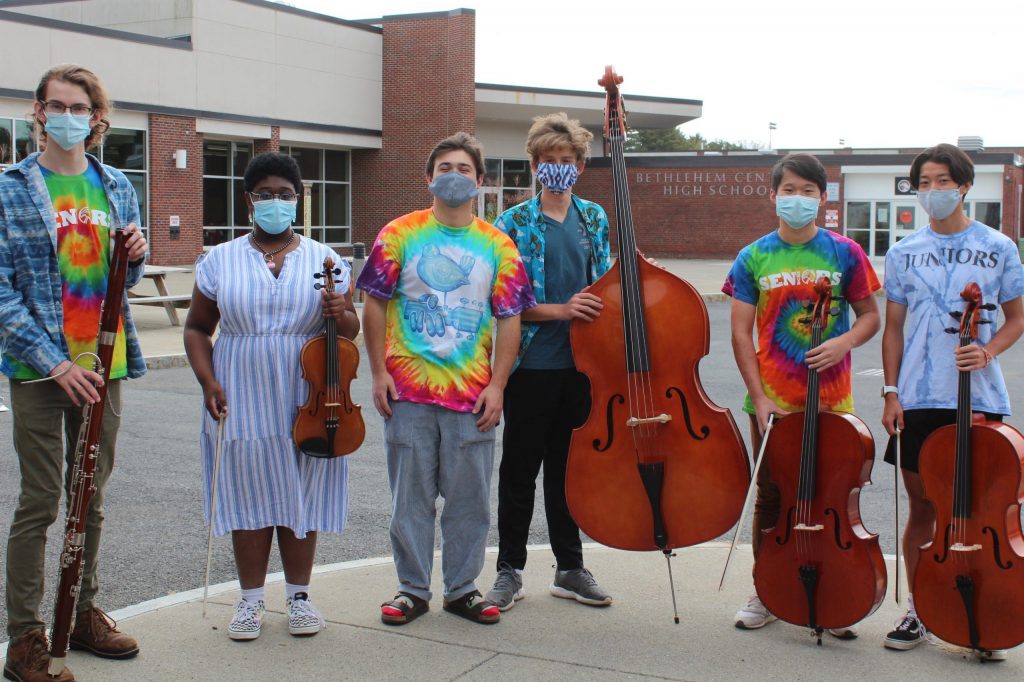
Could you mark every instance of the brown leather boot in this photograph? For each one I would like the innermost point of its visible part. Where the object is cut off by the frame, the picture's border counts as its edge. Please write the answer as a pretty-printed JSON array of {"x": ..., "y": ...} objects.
[
  {"x": 28, "y": 657},
  {"x": 97, "y": 633}
]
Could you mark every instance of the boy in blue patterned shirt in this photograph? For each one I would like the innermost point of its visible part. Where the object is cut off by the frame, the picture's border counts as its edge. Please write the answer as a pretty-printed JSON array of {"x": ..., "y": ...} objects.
[{"x": 563, "y": 241}]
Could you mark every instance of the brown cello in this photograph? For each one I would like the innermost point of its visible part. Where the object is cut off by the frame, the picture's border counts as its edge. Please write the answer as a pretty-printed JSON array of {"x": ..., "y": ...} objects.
[
  {"x": 656, "y": 465},
  {"x": 819, "y": 567},
  {"x": 969, "y": 584},
  {"x": 329, "y": 424}
]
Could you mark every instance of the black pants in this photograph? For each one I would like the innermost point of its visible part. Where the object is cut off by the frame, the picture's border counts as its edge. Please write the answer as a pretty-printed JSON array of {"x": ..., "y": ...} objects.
[{"x": 541, "y": 409}]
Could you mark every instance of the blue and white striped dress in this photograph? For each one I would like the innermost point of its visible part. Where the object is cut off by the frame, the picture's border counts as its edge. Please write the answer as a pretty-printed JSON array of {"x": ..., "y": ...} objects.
[{"x": 264, "y": 480}]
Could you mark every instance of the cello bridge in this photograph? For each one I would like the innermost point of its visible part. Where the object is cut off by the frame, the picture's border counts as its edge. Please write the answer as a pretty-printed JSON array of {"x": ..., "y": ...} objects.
[
  {"x": 961, "y": 547},
  {"x": 332, "y": 404},
  {"x": 640, "y": 421},
  {"x": 804, "y": 526}
]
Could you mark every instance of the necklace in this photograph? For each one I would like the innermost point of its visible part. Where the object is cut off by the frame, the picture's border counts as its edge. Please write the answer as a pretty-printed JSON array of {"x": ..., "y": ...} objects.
[{"x": 268, "y": 256}]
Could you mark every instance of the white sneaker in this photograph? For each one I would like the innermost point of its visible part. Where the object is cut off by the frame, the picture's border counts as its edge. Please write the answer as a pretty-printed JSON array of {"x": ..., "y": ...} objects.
[
  {"x": 248, "y": 620},
  {"x": 303, "y": 618},
  {"x": 993, "y": 655},
  {"x": 753, "y": 615},
  {"x": 849, "y": 632}
]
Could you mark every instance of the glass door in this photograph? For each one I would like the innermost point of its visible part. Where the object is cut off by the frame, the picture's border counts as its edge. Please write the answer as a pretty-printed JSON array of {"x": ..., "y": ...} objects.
[{"x": 906, "y": 221}]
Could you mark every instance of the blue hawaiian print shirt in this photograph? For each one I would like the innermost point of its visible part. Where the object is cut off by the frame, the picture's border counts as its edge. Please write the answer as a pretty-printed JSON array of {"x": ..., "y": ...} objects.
[
  {"x": 31, "y": 305},
  {"x": 525, "y": 224}
]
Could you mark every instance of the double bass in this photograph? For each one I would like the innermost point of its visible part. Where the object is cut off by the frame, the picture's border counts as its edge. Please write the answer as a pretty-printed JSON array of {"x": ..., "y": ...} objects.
[
  {"x": 819, "y": 567},
  {"x": 969, "y": 584},
  {"x": 329, "y": 424},
  {"x": 656, "y": 465}
]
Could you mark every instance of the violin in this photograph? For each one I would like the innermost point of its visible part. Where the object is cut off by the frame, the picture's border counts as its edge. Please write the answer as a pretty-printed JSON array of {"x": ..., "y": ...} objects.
[
  {"x": 969, "y": 584},
  {"x": 329, "y": 424},
  {"x": 656, "y": 465},
  {"x": 819, "y": 567}
]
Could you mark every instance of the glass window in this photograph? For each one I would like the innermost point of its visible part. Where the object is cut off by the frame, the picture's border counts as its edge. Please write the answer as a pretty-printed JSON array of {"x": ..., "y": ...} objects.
[
  {"x": 336, "y": 165},
  {"x": 6, "y": 141},
  {"x": 24, "y": 143},
  {"x": 516, "y": 174},
  {"x": 215, "y": 157},
  {"x": 988, "y": 212},
  {"x": 125, "y": 149},
  {"x": 225, "y": 212},
  {"x": 138, "y": 181},
  {"x": 242, "y": 156},
  {"x": 858, "y": 215},
  {"x": 215, "y": 201},
  {"x": 309, "y": 161},
  {"x": 328, "y": 172}
]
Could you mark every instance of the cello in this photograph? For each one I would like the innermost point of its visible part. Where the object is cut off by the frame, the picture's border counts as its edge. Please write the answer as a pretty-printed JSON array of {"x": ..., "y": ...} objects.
[
  {"x": 329, "y": 424},
  {"x": 656, "y": 465},
  {"x": 819, "y": 567},
  {"x": 969, "y": 584}
]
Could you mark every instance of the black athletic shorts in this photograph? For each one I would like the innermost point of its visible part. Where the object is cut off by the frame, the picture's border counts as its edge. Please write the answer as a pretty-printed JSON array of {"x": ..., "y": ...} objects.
[{"x": 917, "y": 426}]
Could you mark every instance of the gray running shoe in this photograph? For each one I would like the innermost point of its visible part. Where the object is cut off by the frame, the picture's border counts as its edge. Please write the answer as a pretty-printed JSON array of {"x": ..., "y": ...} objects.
[
  {"x": 508, "y": 588},
  {"x": 579, "y": 584}
]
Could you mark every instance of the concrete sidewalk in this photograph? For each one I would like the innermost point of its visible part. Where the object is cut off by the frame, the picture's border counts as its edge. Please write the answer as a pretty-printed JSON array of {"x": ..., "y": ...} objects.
[{"x": 542, "y": 638}]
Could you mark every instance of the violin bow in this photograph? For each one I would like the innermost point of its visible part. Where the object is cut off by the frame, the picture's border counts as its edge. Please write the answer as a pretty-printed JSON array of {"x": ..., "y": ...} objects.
[
  {"x": 896, "y": 493},
  {"x": 749, "y": 498},
  {"x": 213, "y": 508}
]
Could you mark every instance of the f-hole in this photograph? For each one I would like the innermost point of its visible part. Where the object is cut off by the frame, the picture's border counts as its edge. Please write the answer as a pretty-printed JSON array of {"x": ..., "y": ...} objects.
[
  {"x": 704, "y": 430},
  {"x": 839, "y": 538},
  {"x": 945, "y": 546},
  {"x": 610, "y": 417},
  {"x": 789, "y": 527},
  {"x": 995, "y": 548}
]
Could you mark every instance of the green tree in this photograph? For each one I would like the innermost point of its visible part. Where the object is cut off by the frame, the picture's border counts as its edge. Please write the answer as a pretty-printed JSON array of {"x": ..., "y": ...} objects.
[{"x": 674, "y": 140}]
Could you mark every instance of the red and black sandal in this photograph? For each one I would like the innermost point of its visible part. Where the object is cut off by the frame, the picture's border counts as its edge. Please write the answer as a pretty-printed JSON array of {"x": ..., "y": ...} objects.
[
  {"x": 404, "y": 608},
  {"x": 472, "y": 606}
]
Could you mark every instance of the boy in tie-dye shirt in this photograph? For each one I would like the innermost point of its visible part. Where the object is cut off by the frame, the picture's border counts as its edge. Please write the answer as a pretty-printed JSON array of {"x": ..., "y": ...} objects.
[
  {"x": 771, "y": 283},
  {"x": 435, "y": 279}
]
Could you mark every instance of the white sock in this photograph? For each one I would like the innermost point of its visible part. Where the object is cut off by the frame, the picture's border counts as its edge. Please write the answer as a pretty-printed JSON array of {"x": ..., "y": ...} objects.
[
  {"x": 910, "y": 605},
  {"x": 519, "y": 571},
  {"x": 291, "y": 590},
  {"x": 254, "y": 595}
]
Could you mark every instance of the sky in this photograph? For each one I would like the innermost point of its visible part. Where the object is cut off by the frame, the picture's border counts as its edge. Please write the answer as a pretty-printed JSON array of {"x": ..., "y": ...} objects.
[{"x": 873, "y": 73}]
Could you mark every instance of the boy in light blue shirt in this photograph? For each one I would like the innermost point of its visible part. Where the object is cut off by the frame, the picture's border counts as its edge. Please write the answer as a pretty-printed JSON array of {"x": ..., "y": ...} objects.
[{"x": 924, "y": 275}]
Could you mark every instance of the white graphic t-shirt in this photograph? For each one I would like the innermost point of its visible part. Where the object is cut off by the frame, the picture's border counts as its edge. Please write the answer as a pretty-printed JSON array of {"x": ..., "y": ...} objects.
[{"x": 926, "y": 272}]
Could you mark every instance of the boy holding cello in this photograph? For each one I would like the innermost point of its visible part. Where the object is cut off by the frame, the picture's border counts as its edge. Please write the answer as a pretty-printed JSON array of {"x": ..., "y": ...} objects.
[
  {"x": 770, "y": 283},
  {"x": 924, "y": 275}
]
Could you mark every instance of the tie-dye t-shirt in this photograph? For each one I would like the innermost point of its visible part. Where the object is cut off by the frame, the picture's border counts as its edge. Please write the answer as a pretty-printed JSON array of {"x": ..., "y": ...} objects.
[
  {"x": 926, "y": 271},
  {"x": 443, "y": 285},
  {"x": 83, "y": 257},
  {"x": 779, "y": 278}
]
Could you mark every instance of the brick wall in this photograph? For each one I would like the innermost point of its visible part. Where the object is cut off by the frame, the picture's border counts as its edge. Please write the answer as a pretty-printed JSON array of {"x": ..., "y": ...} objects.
[
  {"x": 173, "y": 191},
  {"x": 428, "y": 94},
  {"x": 271, "y": 145}
]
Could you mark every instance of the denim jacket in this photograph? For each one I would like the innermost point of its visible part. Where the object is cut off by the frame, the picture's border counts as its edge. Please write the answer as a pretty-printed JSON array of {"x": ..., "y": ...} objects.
[
  {"x": 31, "y": 303},
  {"x": 525, "y": 225}
]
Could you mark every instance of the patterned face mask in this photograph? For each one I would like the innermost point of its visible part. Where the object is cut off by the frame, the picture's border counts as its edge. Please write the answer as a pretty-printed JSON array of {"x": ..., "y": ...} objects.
[{"x": 557, "y": 177}]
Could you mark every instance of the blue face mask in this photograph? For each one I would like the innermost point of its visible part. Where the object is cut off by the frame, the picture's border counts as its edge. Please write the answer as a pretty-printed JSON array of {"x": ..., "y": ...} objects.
[
  {"x": 798, "y": 212},
  {"x": 557, "y": 177},
  {"x": 274, "y": 216},
  {"x": 66, "y": 129},
  {"x": 453, "y": 189},
  {"x": 939, "y": 204}
]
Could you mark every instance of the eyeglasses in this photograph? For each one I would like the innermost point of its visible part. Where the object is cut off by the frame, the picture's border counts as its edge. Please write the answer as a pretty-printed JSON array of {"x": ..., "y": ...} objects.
[
  {"x": 57, "y": 108},
  {"x": 267, "y": 196}
]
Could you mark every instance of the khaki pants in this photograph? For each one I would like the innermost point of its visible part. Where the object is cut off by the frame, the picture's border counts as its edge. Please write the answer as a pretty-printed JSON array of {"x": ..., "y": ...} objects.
[{"x": 46, "y": 425}]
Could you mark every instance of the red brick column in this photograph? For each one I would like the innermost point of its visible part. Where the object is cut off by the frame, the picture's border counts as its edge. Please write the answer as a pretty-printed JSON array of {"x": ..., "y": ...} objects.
[
  {"x": 428, "y": 67},
  {"x": 271, "y": 145},
  {"x": 174, "y": 191}
]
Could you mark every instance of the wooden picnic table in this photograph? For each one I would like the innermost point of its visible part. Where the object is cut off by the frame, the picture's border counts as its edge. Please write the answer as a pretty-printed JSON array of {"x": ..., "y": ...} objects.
[{"x": 170, "y": 302}]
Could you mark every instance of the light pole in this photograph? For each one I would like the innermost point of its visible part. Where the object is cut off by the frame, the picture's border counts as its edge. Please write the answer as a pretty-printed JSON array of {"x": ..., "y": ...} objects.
[{"x": 771, "y": 127}]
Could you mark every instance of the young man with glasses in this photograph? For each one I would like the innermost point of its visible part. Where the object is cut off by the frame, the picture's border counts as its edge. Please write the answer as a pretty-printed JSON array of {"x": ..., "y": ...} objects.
[
  {"x": 563, "y": 240},
  {"x": 924, "y": 275},
  {"x": 57, "y": 211}
]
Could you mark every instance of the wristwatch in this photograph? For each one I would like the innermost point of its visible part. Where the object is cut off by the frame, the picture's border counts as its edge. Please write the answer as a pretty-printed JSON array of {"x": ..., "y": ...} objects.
[{"x": 886, "y": 390}]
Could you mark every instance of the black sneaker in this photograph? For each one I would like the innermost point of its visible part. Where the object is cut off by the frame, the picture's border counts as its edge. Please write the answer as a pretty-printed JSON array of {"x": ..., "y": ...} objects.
[{"x": 908, "y": 634}]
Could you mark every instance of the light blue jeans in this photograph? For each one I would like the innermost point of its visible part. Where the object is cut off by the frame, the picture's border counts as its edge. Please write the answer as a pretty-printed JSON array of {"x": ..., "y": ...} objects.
[{"x": 433, "y": 451}]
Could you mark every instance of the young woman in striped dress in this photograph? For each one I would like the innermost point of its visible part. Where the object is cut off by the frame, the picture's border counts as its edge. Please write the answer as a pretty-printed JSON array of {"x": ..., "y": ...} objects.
[{"x": 259, "y": 289}]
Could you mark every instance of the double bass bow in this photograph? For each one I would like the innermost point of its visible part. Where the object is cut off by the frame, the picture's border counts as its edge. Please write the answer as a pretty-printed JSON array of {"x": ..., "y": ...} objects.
[
  {"x": 329, "y": 424},
  {"x": 656, "y": 465},
  {"x": 969, "y": 585},
  {"x": 819, "y": 567}
]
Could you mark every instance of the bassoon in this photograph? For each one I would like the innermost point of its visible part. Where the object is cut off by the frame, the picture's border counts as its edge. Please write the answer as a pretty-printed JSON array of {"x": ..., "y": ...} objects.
[{"x": 87, "y": 450}]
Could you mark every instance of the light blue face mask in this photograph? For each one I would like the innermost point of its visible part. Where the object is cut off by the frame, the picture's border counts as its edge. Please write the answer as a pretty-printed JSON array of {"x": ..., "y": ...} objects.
[
  {"x": 454, "y": 189},
  {"x": 798, "y": 212},
  {"x": 66, "y": 129},
  {"x": 274, "y": 216},
  {"x": 939, "y": 204}
]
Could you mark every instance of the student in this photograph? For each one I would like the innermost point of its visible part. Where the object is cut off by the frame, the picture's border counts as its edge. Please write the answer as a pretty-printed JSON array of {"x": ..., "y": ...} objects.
[
  {"x": 563, "y": 240},
  {"x": 770, "y": 283},
  {"x": 435, "y": 278},
  {"x": 58, "y": 209},
  {"x": 924, "y": 275}
]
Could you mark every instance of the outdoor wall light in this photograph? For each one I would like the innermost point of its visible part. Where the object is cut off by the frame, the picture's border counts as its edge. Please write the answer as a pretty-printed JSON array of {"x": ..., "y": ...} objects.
[{"x": 180, "y": 157}]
